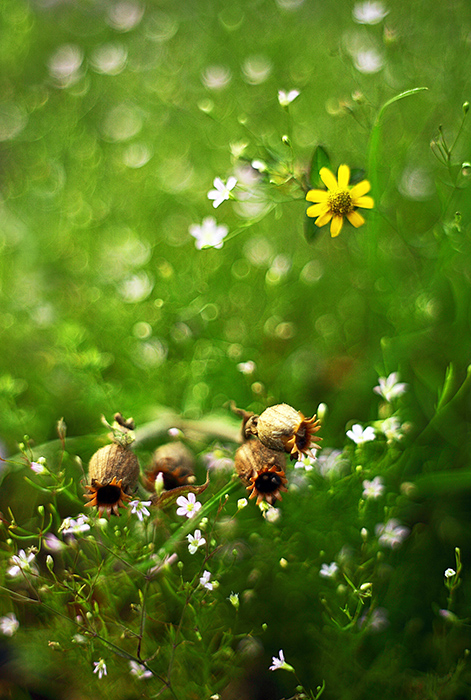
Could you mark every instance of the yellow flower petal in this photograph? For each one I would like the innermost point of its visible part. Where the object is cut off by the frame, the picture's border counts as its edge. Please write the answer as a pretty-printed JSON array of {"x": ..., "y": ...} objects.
[
  {"x": 317, "y": 209},
  {"x": 360, "y": 189},
  {"x": 343, "y": 176},
  {"x": 324, "y": 219},
  {"x": 336, "y": 226},
  {"x": 355, "y": 219},
  {"x": 316, "y": 196},
  {"x": 328, "y": 178},
  {"x": 365, "y": 202}
]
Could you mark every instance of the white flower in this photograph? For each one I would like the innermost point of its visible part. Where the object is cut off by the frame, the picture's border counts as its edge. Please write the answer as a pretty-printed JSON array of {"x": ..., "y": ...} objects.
[
  {"x": 271, "y": 514},
  {"x": 195, "y": 541},
  {"x": 248, "y": 367},
  {"x": 306, "y": 462},
  {"x": 9, "y": 624},
  {"x": 39, "y": 467},
  {"x": 361, "y": 435},
  {"x": 285, "y": 98},
  {"x": 391, "y": 427},
  {"x": 373, "y": 489},
  {"x": 208, "y": 234},
  {"x": 449, "y": 573},
  {"x": 328, "y": 570},
  {"x": 368, "y": 61},
  {"x": 139, "y": 508},
  {"x": 222, "y": 191},
  {"x": 140, "y": 671},
  {"x": 392, "y": 533},
  {"x": 241, "y": 503},
  {"x": 22, "y": 563},
  {"x": 277, "y": 663},
  {"x": 205, "y": 580},
  {"x": 369, "y": 12},
  {"x": 188, "y": 506},
  {"x": 75, "y": 527},
  {"x": 100, "y": 668},
  {"x": 390, "y": 387}
]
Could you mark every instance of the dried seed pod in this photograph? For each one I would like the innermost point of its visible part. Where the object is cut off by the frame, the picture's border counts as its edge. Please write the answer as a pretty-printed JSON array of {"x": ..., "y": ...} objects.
[
  {"x": 176, "y": 464},
  {"x": 113, "y": 472},
  {"x": 281, "y": 427},
  {"x": 261, "y": 471}
]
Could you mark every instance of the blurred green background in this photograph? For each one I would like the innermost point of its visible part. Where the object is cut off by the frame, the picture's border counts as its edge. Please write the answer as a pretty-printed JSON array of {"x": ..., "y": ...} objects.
[{"x": 115, "y": 117}]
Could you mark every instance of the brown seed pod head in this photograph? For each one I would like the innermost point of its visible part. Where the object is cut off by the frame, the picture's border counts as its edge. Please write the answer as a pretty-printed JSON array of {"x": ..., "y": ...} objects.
[
  {"x": 112, "y": 472},
  {"x": 282, "y": 427},
  {"x": 252, "y": 457},
  {"x": 176, "y": 464},
  {"x": 267, "y": 483}
]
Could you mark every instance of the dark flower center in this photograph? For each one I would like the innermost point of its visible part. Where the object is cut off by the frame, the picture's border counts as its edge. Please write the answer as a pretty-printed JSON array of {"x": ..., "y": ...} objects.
[
  {"x": 340, "y": 202},
  {"x": 108, "y": 495},
  {"x": 268, "y": 482}
]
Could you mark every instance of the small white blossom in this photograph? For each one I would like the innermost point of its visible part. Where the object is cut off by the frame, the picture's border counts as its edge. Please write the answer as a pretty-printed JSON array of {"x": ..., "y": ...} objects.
[
  {"x": 22, "y": 563},
  {"x": 391, "y": 427},
  {"x": 100, "y": 668},
  {"x": 391, "y": 534},
  {"x": 373, "y": 489},
  {"x": 271, "y": 514},
  {"x": 280, "y": 663},
  {"x": 208, "y": 234},
  {"x": 9, "y": 624},
  {"x": 328, "y": 570},
  {"x": 241, "y": 503},
  {"x": 390, "y": 387},
  {"x": 139, "y": 508},
  {"x": 75, "y": 527},
  {"x": 205, "y": 581},
  {"x": 140, "y": 671},
  {"x": 306, "y": 462},
  {"x": 285, "y": 98},
  {"x": 39, "y": 467},
  {"x": 449, "y": 573},
  {"x": 222, "y": 191},
  {"x": 195, "y": 541},
  {"x": 248, "y": 367},
  {"x": 188, "y": 506},
  {"x": 361, "y": 435},
  {"x": 53, "y": 543},
  {"x": 368, "y": 61},
  {"x": 369, "y": 12}
]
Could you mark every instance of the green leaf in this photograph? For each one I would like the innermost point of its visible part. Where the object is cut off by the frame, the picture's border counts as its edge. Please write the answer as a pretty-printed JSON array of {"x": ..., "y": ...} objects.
[
  {"x": 320, "y": 159},
  {"x": 311, "y": 231}
]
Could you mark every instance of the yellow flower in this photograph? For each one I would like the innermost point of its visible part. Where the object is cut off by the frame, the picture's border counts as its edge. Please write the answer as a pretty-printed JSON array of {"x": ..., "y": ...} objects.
[{"x": 339, "y": 200}]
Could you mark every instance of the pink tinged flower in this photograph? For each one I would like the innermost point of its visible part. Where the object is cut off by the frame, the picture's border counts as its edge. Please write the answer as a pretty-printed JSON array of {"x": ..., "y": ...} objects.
[
  {"x": 328, "y": 570},
  {"x": 390, "y": 387},
  {"x": 39, "y": 467},
  {"x": 75, "y": 527},
  {"x": 100, "y": 668},
  {"x": 373, "y": 489},
  {"x": 195, "y": 541},
  {"x": 208, "y": 234},
  {"x": 9, "y": 624},
  {"x": 306, "y": 462},
  {"x": 22, "y": 563},
  {"x": 280, "y": 663},
  {"x": 139, "y": 508},
  {"x": 222, "y": 191},
  {"x": 360, "y": 435},
  {"x": 374, "y": 621},
  {"x": 285, "y": 98},
  {"x": 205, "y": 581},
  {"x": 53, "y": 543},
  {"x": 188, "y": 506},
  {"x": 391, "y": 534},
  {"x": 140, "y": 671}
]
